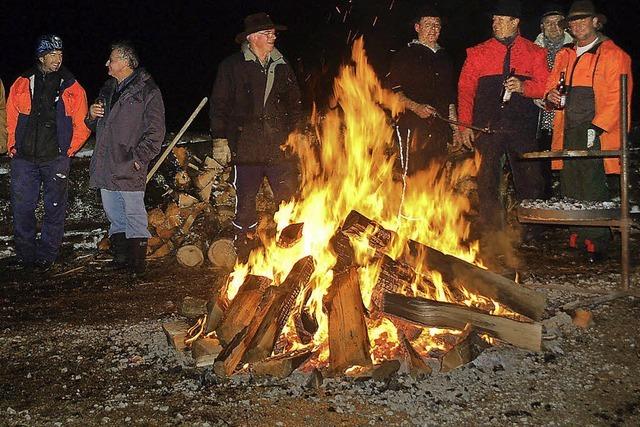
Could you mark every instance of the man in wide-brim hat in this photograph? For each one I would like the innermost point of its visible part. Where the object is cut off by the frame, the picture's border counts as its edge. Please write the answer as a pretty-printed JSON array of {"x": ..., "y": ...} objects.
[
  {"x": 254, "y": 106},
  {"x": 591, "y": 117}
]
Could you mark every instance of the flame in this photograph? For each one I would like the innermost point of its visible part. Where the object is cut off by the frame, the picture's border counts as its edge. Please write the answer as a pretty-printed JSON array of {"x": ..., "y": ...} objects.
[{"x": 345, "y": 165}]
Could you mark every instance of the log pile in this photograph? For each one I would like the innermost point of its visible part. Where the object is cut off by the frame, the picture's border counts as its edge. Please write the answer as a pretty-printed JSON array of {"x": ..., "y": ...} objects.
[{"x": 247, "y": 332}]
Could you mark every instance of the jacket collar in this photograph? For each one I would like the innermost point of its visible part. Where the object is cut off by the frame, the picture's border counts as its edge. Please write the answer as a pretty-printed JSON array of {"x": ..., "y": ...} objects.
[{"x": 274, "y": 56}]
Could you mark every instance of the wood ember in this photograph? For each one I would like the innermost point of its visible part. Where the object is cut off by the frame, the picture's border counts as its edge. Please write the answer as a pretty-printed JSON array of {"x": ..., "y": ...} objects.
[
  {"x": 290, "y": 235},
  {"x": 452, "y": 316},
  {"x": 348, "y": 335},
  {"x": 176, "y": 333}
]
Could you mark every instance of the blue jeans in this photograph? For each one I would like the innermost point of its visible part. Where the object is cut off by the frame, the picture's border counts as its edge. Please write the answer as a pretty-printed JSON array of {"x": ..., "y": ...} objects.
[
  {"x": 26, "y": 178},
  {"x": 126, "y": 213}
]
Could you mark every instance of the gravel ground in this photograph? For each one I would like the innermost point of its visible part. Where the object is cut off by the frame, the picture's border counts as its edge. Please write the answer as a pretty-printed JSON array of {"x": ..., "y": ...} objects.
[{"x": 87, "y": 348}]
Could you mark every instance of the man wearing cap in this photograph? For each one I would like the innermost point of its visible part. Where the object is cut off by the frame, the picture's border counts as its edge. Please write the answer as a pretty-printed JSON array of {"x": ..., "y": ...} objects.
[
  {"x": 422, "y": 75},
  {"x": 505, "y": 63},
  {"x": 45, "y": 123},
  {"x": 591, "y": 117},
  {"x": 553, "y": 37},
  {"x": 254, "y": 106}
]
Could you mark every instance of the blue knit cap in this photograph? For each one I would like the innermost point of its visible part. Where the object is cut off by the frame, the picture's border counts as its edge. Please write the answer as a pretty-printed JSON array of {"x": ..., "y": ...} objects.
[{"x": 48, "y": 43}]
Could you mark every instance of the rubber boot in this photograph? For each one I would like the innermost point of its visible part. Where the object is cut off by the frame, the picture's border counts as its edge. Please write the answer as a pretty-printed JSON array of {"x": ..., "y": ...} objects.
[
  {"x": 137, "y": 256},
  {"x": 119, "y": 251}
]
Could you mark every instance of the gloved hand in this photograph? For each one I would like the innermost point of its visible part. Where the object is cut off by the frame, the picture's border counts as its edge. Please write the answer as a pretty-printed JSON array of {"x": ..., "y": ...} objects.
[{"x": 223, "y": 145}]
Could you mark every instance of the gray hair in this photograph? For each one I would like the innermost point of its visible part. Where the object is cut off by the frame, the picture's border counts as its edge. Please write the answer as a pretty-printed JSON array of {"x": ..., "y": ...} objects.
[{"x": 128, "y": 53}]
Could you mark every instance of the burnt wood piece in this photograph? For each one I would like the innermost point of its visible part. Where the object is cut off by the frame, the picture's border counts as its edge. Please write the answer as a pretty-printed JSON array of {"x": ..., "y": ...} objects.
[
  {"x": 304, "y": 321},
  {"x": 452, "y": 316},
  {"x": 217, "y": 304},
  {"x": 356, "y": 224},
  {"x": 263, "y": 341},
  {"x": 205, "y": 350},
  {"x": 395, "y": 277},
  {"x": 459, "y": 273},
  {"x": 348, "y": 336},
  {"x": 291, "y": 235},
  {"x": 417, "y": 366},
  {"x": 228, "y": 360},
  {"x": 341, "y": 247},
  {"x": 243, "y": 307},
  {"x": 455, "y": 271},
  {"x": 282, "y": 365},
  {"x": 466, "y": 349}
]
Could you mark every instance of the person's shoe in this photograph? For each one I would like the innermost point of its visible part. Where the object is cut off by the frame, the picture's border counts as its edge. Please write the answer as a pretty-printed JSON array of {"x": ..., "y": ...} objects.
[
  {"x": 119, "y": 251},
  {"x": 137, "y": 256}
]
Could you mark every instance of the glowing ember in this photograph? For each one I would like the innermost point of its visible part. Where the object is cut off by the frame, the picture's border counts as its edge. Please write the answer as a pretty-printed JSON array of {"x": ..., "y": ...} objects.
[{"x": 348, "y": 168}]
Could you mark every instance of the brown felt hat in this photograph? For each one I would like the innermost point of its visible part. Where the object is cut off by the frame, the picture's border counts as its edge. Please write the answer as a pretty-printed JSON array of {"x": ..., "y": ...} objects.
[
  {"x": 584, "y": 9},
  {"x": 257, "y": 22}
]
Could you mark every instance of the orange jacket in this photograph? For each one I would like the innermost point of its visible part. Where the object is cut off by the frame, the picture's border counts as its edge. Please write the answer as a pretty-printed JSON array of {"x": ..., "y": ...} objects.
[
  {"x": 71, "y": 111},
  {"x": 599, "y": 68}
]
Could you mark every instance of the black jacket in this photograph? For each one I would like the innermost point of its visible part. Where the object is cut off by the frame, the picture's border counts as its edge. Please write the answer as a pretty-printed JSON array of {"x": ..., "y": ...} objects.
[{"x": 255, "y": 107}]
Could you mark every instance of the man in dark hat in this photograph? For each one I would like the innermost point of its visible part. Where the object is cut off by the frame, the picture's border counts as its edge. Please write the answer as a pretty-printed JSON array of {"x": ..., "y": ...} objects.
[
  {"x": 422, "y": 74},
  {"x": 590, "y": 119},
  {"x": 45, "y": 122},
  {"x": 498, "y": 82},
  {"x": 254, "y": 106},
  {"x": 553, "y": 37}
]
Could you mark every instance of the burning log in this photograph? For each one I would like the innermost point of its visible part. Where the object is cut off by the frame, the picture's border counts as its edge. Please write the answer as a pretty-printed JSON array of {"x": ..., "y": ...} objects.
[
  {"x": 357, "y": 225},
  {"x": 222, "y": 254},
  {"x": 452, "y": 316},
  {"x": 271, "y": 326},
  {"x": 305, "y": 323},
  {"x": 281, "y": 365},
  {"x": 205, "y": 350},
  {"x": 243, "y": 307},
  {"x": 291, "y": 235},
  {"x": 455, "y": 271},
  {"x": 348, "y": 336},
  {"x": 190, "y": 256},
  {"x": 232, "y": 354},
  {"x": 176, "y": 333},
  {"x": 342, "y": 249},
  {"x": 217, "y": 304},
  {"x": 462, "y": 274},
  {"x": 467, "y": 349}
]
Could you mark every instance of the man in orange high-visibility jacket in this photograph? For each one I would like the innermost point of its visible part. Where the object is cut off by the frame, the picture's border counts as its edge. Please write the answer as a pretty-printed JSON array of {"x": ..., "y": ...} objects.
[
  {"x": 591, "y": 117},
  {"x": 46, "y": 108}
]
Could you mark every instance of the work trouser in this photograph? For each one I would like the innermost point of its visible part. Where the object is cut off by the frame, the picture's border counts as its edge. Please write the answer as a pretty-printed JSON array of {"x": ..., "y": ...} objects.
[
  {"x": 26, "y": 179},
  {"x": 527, "y": 175},
  {"x": 585, "y": 179},
  {"x": 282, "y": 178}
]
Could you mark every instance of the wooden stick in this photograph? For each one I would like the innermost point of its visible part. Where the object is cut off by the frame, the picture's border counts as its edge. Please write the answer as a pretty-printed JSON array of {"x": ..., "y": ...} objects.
[{"x": 164, "y": 155}]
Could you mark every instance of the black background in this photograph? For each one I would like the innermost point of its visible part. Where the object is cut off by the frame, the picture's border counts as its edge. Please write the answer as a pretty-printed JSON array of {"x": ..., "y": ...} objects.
[{"x": 181, "y": 42}]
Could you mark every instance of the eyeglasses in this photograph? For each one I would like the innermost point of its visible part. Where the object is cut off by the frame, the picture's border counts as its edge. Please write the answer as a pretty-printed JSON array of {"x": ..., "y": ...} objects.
[{"x": 268, "y": 34}]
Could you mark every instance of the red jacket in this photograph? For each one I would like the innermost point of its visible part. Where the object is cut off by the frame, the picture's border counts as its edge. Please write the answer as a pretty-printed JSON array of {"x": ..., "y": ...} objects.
[
  {"x": 599, "y": 68},
  {"x": 481, "y": 80},
  {"x": 71, "y": 111}
]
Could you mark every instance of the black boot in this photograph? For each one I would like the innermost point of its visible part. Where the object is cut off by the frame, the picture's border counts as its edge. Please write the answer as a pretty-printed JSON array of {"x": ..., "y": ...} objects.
[
  {"x": 137, "y": 256},
  {"x": 119, "y": 251}
]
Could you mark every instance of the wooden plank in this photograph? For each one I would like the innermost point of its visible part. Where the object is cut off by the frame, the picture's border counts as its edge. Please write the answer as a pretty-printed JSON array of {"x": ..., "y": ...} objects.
[
  {"x": 217, "y": 304},
  {"x": 205, "y": 350},
  {"x": 243, "y": 307},
  {"x": 452, "y": 316},
  {"x": 282, "y": 365},
  {"x": 348, "y": 335},
  {"x": 466, "y": 349}
]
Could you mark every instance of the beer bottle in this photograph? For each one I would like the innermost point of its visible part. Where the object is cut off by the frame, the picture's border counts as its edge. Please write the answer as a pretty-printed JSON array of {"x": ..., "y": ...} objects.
[
  {"x": 505, "y": 95},
  {"x": 562, "y": 90}
]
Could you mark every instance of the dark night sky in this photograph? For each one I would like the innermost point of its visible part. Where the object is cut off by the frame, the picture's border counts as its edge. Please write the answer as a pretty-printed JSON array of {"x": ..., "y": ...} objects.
[{"x": 182, "y": 41}]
